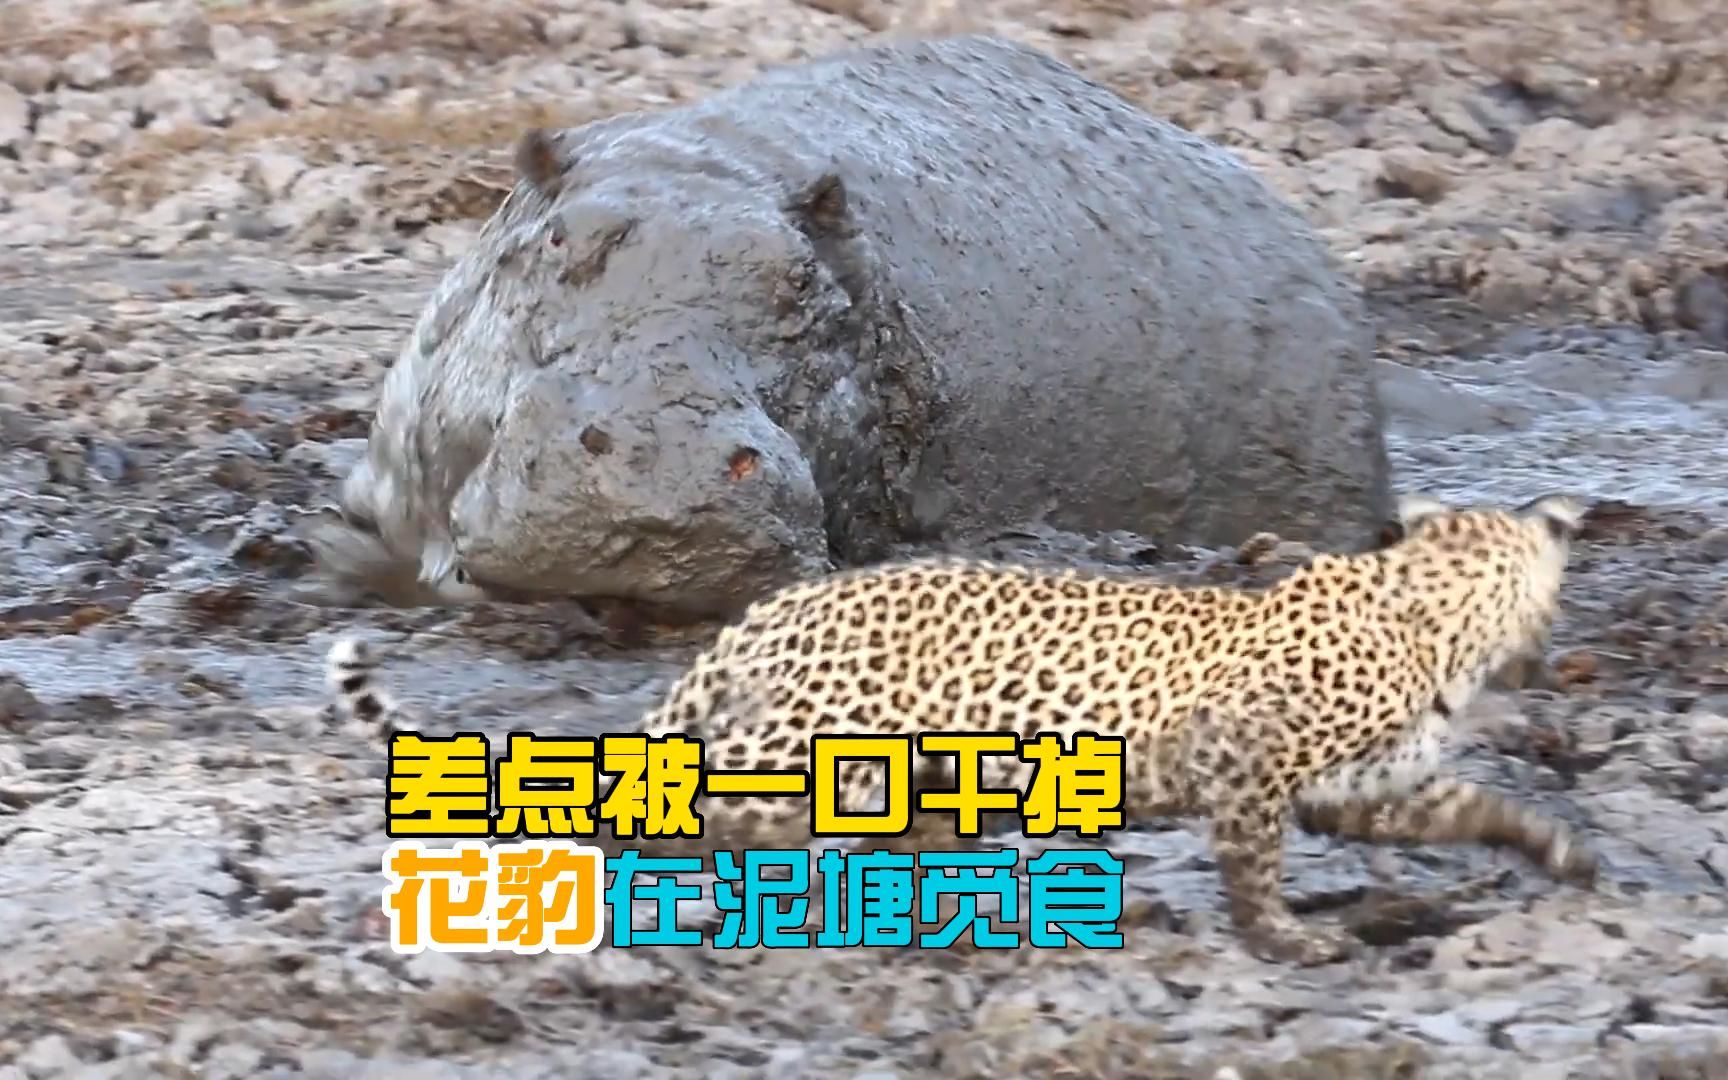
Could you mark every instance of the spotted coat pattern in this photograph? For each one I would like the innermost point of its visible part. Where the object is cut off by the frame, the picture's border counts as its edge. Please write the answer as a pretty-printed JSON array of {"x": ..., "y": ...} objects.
[{"x": 1325, "y": 700}]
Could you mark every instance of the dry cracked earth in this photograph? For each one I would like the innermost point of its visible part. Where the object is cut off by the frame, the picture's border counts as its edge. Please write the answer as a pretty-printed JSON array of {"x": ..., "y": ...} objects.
[{"x": 217, "y": 220}]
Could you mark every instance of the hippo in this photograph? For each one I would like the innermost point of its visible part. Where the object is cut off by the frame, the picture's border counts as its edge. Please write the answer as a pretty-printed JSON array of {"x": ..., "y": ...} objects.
[{"x": 907, "y": 293}]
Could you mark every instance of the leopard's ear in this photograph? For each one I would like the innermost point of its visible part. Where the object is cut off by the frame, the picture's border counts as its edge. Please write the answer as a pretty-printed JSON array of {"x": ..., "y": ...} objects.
[
  {"x": 1563, "y": 514},
  {"x": 1390, "y": 533},
  {"x": 1414, "y": 509}
]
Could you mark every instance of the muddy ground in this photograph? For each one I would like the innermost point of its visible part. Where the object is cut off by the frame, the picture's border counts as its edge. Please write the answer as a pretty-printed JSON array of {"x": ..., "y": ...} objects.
[{"x": 217, "y": 221}]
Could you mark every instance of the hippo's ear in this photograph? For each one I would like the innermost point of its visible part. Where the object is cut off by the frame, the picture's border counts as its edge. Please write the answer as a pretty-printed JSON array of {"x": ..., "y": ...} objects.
[
  {"x": 538, "y": 161},
  {"x": 821, "y": 207}
]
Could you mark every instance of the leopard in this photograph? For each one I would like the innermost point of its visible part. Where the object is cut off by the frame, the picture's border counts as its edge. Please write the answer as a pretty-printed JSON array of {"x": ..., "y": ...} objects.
[{"x": 1328, "y": 699}]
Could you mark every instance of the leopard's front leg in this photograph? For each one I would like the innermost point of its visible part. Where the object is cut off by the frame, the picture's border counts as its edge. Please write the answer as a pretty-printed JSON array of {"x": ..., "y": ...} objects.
[
  {"x": 1248, "y": 842},
  {"x": 1249, "y": 808}
]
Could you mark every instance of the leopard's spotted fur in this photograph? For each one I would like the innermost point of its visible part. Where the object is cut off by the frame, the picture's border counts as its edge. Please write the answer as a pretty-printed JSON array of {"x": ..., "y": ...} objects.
[{"x": 1327, "y": 698}]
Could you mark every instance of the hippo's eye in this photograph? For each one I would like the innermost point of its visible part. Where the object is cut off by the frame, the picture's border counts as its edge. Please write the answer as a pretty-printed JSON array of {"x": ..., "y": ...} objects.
[{"x": 461, "y": 576}]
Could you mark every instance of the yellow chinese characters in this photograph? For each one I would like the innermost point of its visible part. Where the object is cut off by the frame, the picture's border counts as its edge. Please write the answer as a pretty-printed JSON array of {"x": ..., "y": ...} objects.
[
  {"x": 438, "y": 786},
  {"x": 546, "y": 787},
  {"x": 646, "y": 788},
  {"x": 1079, "y": 789},
  {"x": 655, "y": 792},
  {"x": 968, "y": 802}
]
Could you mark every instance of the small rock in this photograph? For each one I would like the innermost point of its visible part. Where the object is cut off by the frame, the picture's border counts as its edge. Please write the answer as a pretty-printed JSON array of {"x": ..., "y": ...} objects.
[
  {"x": 161, "y": 609},
  {"x": 562, "y": 30},
  {"x": 1703, "y": 306},
  {"x": 613, "y": 1062},
  {"x": 629, "y": 987},
  {"x": 72, "y": 128},
  {"x": 1577, "y": 666},
  {"x": 275, "y": 172},
  {"x": 331, "y": 1062},
  {"x": 247, "y": 225},
  {"x": 54, "y": 757},
  {"x": 17, "y": 427},
  {"x": 1488, "y": 124},
  {"x": 237, "y": 51},
  {"x": 126, "y": 1042},
  {"x": 787, "y": 1061},
  {"x": 478, "y": 1014},
  {"x": 1703, "y": 377},
  {"x": 182, "y": 97},
  {"x": 89, "y": 68},
  {"x": 29, "y": 73},
  {"x": 1414, "y": 170},
  {"x": 306, "y": 918},
  {"x": 107, "y": 462},
  {"x": 232, "y": 1059},
  {"x": 1422, "y": 402},
  {"x": 1490, "y": 1010},
  {"x": 1715, "y": 862},
  {"x": 1550, "y": 1040},
  {"x": 326, "y": 197},
  {"x": 327, "y": 458},
  {"x": 14, "y": 119},
  {"x": 286, "y": 87},
  {"x": 1701, "y": 1038},
  {"x": 1448, "y": 1029},
  {"x": 432, "y": 968},
  {"x": 1346, "y": 178},
  {"x": 1705, "y": 740},
  {"x": 18, "y": 706},
  {"x": 1547, "y": 142},
  {"x": 49, "y": 1055},
  {"x": 1713, "y": 545},
  {"x": 1572, "y": 372}
]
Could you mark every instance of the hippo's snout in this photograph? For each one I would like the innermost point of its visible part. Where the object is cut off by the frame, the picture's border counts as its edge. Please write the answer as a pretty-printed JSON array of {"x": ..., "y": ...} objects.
[{"x": 593, "y": 489}]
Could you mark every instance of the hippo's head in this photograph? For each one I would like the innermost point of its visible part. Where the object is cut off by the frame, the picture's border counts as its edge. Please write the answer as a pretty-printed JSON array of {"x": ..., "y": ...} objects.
[{"x": 592, "y": 401}]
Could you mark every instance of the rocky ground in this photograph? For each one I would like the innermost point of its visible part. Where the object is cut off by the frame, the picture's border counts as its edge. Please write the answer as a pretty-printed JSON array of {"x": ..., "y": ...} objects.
[{"x": 217, "y": 220}]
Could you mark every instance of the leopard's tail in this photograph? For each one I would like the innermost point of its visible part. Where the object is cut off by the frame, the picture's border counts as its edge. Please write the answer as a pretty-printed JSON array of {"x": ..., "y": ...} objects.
[{"x": 350, "y": 670}]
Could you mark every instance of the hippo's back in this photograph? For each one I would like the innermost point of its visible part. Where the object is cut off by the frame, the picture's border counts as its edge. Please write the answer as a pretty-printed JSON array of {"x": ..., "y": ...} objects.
[{"x": 1131, "y": 328}]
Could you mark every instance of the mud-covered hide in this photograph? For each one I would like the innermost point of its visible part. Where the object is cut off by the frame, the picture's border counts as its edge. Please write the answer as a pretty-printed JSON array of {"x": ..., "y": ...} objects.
[{"x": 910, "y": 292}]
